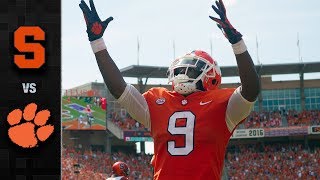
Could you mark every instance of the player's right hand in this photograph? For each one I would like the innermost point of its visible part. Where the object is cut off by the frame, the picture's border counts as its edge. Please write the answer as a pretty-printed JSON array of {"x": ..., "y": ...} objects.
[{"x": 95, "y": 27}]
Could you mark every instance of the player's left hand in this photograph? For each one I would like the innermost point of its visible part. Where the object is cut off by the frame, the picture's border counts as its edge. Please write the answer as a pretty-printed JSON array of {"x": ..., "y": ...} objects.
[
  {"x": 95, "y": 27},
  {"x": 223, "y": 23}
]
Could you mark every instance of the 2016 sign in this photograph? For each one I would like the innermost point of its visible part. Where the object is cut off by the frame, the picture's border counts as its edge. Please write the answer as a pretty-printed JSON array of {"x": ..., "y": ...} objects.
[{"x": 248, "y": 133}]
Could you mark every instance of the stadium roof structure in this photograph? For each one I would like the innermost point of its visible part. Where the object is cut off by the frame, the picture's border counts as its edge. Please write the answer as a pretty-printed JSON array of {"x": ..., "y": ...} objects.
[{"x": 139, "y": 71}]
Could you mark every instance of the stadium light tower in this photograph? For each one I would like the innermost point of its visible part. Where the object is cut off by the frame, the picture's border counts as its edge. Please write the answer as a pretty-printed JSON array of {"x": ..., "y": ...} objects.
[
  {"x": 138, "y": 51},
  {"x": 174, "y": 49},
  {"x": 257, "y": 45},
  {"x": 298, "y": 45}
]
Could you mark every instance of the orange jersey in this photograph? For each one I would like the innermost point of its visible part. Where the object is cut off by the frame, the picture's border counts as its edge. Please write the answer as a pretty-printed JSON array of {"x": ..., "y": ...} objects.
[{"x": 190, "y": 133}]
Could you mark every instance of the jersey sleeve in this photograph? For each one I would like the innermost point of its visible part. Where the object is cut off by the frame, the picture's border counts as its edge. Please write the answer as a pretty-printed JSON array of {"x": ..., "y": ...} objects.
[
  {"x": 135, "y": 104},
  {"x": 238, "y": 109}
]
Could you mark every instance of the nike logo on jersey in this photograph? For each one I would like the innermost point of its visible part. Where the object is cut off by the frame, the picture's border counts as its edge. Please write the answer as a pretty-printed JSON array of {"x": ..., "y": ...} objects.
[{"x": 204, "y": 103}]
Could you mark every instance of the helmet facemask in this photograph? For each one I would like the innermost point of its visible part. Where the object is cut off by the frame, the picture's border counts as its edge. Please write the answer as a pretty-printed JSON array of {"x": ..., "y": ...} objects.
[{"x": 186, "y": 72}]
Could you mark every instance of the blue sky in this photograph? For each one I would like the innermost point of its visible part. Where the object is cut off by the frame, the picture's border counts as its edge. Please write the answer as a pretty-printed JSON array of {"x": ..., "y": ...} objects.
[{"x": 159, "y": 23}]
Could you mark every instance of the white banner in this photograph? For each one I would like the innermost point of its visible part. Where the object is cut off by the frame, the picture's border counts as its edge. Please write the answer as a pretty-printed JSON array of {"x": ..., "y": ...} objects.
[
  {"x": 138, "y": 139},
  {"x": 315, "y": 130},
  {"x": 247, "y": 133}
]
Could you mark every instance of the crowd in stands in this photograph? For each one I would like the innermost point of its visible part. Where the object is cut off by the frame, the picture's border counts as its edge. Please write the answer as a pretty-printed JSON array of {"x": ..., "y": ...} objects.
[
  {"x": 263, "y": 119},
  {"x": 277, "y": 161},
  {"x": 308, "y": 118},
  {"x": 126, "y": 122},
  {"x": 97, "y": 165},
  {"x": 270, "y": 119}
]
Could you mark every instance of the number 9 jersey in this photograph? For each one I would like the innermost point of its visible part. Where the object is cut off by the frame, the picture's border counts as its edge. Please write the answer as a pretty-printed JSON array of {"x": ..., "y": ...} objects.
[{"x": 190, "y": 133}]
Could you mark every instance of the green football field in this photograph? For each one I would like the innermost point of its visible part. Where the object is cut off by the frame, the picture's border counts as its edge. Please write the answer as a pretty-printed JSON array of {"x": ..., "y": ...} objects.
[{"x": 69, "y": 114}]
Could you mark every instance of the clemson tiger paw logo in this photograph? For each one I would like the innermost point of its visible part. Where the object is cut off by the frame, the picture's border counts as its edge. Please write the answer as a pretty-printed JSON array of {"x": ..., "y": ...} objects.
[
  {"x": 27, "y": 134},
  {"x": 96, "y": 28}
]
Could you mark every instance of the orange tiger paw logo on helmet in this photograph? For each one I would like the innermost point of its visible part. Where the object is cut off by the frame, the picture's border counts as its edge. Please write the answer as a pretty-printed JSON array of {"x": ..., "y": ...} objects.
[{"x": 27, "y": 134}]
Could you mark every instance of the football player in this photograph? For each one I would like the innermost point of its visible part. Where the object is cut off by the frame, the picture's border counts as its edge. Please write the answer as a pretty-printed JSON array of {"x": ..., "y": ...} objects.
[
  {"x": 191, "y": 124},
  {"x": 120, "y": 171}
]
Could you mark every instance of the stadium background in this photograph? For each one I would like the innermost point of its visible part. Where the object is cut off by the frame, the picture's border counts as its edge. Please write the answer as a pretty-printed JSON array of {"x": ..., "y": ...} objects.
[{"x": 280, "y": 138}]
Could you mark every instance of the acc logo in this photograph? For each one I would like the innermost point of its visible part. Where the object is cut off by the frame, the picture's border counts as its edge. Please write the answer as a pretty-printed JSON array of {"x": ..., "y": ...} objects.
[
  {"x": 26, "y": 134},
  {"x": 160, "y": 101}
]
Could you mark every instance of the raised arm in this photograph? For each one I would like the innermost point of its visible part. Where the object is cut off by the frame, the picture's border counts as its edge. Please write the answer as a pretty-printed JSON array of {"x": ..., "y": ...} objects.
[
  {"x": 128, "y": 96},
  {"x": 95, "y": 29},
  {"x": 110, "y": 73},
  {"x": 249, "y": 78}
]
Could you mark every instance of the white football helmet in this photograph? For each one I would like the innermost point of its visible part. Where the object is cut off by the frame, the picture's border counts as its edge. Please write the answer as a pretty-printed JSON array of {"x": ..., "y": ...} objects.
[{"x": 185, "y": 73}]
